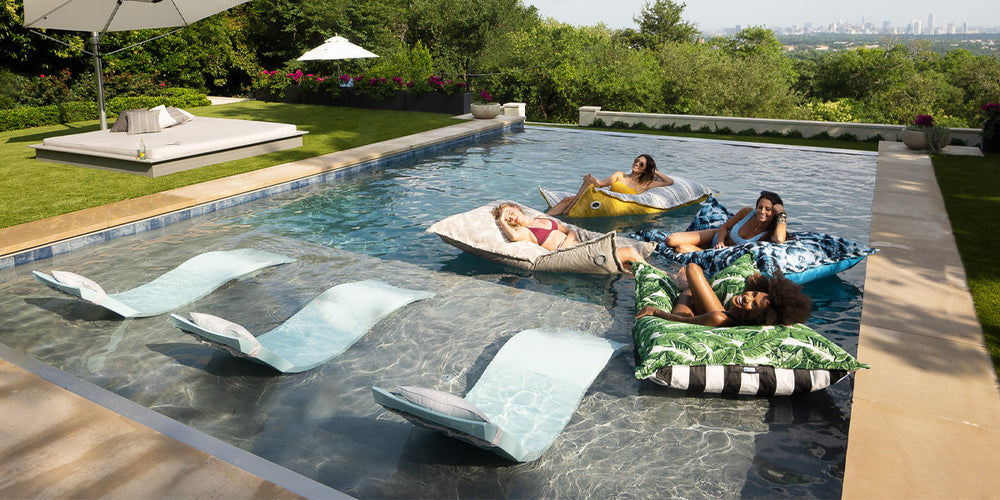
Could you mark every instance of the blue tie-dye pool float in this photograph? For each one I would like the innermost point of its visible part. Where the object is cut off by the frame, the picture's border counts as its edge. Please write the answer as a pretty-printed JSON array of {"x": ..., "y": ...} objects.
[{"x": 804, "y": 257}]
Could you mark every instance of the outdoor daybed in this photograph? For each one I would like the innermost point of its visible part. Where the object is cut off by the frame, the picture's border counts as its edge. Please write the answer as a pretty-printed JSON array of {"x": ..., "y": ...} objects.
[{"x": 196, "y": 143}]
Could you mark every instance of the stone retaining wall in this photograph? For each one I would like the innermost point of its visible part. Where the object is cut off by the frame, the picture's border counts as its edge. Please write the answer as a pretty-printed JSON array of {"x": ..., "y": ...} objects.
[{"x": 808, "y": 128}]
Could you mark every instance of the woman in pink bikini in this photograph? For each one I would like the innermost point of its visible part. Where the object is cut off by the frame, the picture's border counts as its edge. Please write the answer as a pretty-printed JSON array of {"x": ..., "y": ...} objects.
[
  {"x": 643, "y": 177},
  {"x": 767, "y": 222},
  {"x": 544, "y": 231}
]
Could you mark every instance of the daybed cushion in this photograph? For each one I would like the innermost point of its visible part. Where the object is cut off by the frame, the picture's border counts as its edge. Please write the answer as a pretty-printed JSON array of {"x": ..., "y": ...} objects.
[
  {"x": 201, "y": 136},
  {"x": 477, "y": 233},
  {"x": 803, "y": 257},
  {"x": 121, "y": 124},
  {"x": 143, "y": 121},
  {"x": 749, "y": 360},
  {"x": 165, "y": 118}
]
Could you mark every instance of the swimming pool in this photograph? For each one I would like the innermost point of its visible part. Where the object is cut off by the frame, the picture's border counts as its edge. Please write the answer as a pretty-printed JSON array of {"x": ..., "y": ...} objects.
[{"x": 627, "y": 439}]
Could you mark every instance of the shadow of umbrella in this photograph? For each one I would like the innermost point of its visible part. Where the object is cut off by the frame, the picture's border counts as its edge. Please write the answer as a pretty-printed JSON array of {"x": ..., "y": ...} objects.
[{"x": 101, "y": 16}]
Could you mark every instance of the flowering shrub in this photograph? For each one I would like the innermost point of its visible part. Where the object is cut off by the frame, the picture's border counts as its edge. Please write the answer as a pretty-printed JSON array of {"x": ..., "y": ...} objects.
[
  {"x": 270, "y": 85},
  {"x": 447, "y": 86},
  {"x": 924, "y": 121},
  {"x": 485, "y": 97}
]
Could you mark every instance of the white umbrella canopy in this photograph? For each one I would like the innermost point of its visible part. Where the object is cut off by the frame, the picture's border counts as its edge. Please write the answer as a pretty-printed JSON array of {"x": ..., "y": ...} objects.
[
  {"x": 119, "y": 15},
  {"x": 102, "y": 16},
  {"x": 336, "y": 48}
]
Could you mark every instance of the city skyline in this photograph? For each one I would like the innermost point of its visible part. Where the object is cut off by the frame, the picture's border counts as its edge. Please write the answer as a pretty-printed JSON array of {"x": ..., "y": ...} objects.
[{"x": 709, "y": 15}]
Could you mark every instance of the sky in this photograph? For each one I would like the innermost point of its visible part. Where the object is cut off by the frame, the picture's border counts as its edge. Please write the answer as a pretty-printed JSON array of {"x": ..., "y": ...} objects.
[{"x": 717, "y": 14}]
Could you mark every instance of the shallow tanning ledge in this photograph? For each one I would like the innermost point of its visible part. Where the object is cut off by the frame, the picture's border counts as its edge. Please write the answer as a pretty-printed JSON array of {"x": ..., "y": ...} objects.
[{"x": 197, "y": 143}]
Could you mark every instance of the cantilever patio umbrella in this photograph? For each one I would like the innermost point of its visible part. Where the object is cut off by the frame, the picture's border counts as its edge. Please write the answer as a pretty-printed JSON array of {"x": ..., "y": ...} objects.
[
  {"x": 336, "y": 48},
  {"x": 101, "y": 16}
]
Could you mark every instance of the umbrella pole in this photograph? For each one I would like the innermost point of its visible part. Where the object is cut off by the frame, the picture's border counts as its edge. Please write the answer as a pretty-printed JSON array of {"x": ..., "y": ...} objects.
[{"x": 99, "y": 72}]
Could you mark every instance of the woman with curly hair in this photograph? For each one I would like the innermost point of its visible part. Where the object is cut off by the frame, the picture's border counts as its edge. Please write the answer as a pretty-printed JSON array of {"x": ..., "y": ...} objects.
[{"x": 765, "y": 301}]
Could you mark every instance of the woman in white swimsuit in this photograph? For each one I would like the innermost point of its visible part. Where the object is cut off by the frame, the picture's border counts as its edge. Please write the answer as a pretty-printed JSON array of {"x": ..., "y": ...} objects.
[{"x": 767, "y": 222}]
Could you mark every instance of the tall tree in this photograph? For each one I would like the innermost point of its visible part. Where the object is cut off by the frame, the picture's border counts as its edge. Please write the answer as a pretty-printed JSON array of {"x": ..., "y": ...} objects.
[{"x": 661, "y": 22}]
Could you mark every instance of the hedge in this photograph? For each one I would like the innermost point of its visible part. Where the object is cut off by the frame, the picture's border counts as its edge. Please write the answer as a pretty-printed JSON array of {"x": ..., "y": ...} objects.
[{"x": 78, "y": 111}]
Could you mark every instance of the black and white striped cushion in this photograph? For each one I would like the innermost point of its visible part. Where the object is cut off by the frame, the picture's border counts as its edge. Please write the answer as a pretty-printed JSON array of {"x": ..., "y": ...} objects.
[{"x": 746, "y": 380}]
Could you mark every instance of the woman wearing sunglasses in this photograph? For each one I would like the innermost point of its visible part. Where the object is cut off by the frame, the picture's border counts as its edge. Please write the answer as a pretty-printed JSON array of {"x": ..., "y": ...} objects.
[
  {"x": 765, "y": 222},
  {"x": 643, "y": 177}
]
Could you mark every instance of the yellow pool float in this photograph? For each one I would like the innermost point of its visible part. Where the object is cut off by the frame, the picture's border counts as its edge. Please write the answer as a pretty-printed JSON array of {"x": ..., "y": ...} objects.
[{"x": 603, "y": 202}]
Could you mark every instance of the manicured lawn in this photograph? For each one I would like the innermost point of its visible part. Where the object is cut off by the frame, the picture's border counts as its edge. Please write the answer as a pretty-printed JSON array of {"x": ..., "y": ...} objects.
[
  {"x": 971, "y": 189},
  {"x": 32, "y": 190}
]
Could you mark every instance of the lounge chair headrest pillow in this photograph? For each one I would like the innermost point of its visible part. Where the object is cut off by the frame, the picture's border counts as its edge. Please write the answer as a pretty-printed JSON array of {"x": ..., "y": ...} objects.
[
  {"x": 179, "y": 114},
  {"x": 71, "y": 279},
  {"x": 442, "y": 402},
  {"x": 143, "y": 122},
  {"x": 226, "y": 328}
]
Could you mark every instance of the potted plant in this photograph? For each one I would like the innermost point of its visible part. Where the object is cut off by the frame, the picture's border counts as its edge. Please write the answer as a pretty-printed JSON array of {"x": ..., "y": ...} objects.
[
  {"x": 924, "y": 135},
  {"x": 485, "y": 108},
  {"x": 990, "y": 138}
]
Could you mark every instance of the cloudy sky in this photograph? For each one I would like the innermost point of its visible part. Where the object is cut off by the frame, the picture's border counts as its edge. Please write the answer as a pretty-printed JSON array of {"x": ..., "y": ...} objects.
[{"x": 714, "y": 14}]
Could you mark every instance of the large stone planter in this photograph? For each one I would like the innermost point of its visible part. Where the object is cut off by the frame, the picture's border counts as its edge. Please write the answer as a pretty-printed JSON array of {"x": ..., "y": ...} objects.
[
  {"x": 914, "y": 139},
  {"x": 485, "y": 111}
]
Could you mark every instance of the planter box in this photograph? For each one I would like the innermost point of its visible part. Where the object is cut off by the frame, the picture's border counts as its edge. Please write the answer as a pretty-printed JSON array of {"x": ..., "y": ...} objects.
[
  {"x": 431, "y": 102},
  {"x": 439, "y": 102},
  {"x": 396, "y": 102}
]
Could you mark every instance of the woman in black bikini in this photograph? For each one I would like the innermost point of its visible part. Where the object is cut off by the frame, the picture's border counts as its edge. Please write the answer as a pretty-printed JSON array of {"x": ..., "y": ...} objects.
[
  {"x": 766, "y": 301},
  {"x": 546, "y": 232}
]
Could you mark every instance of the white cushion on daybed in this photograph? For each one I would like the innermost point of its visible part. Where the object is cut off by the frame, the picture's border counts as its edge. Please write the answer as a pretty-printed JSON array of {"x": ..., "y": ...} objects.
[{"x": 196, "y": 137}]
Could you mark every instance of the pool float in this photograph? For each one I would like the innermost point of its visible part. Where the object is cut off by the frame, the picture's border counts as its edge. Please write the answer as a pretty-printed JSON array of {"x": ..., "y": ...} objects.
[
  {"x": 744, "y": 360},
  {"x": 805, "y": 255},
  {"x": 603, "y": 202},
  {"x": 327, "y": 326},
  {"x": 521, "y": 402},
  {"x": 477, "y": 233},
  {"x": 188, "y": 282}
]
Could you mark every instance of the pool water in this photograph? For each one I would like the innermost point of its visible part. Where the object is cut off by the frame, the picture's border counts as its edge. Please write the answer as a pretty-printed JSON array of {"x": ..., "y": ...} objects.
[{"x": 628, "y": 439}]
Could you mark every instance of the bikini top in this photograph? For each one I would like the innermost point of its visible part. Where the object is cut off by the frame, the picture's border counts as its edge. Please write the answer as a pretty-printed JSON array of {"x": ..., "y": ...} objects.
[
  {"x": 620, "y": 187},
  {"x": 734, "y": 233},
  {"x": 542, "y": 234}
]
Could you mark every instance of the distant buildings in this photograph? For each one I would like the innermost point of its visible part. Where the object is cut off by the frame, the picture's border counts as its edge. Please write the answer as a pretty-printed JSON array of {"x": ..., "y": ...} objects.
[{"x": 915, "y": 27}]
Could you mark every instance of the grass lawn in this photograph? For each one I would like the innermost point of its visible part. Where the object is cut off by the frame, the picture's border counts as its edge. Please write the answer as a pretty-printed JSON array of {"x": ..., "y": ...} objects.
[
  {"x": 32, "y": 190},
  {"x": 971, "y": 189}
]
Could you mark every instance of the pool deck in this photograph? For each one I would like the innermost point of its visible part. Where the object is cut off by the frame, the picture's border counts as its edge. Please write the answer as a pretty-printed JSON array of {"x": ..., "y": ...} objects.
[{"x": 925, "y": 420}]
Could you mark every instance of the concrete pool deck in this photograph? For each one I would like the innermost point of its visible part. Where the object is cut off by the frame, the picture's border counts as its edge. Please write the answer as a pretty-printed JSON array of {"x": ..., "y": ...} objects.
[{"x": 925, "y": 419}]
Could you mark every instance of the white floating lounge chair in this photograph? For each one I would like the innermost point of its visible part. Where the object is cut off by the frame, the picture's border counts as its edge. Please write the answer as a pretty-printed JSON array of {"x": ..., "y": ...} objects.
[
  {"x": 324, "y": 328},
  {"x": 188, "y": 282},
  {"x": 523, "y": 400}
]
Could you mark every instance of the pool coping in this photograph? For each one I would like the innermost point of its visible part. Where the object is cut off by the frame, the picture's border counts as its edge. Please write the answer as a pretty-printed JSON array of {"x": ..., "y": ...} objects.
[
  {"x": 59, "y": 234},
  {"x": 925, "y": 419}
]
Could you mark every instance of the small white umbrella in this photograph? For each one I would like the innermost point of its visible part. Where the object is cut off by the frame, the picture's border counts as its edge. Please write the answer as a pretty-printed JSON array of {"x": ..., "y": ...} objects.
[
  {"x": 334, "y": 49},
  {"x": 101, "y": 16}
]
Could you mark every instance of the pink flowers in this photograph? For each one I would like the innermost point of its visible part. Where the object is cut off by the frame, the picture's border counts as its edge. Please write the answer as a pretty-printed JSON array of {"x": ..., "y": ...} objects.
[
  {"x": 924, "y": 121},
  {"x": 485, "y": 96},
  {"x": 991, "y": 108}
]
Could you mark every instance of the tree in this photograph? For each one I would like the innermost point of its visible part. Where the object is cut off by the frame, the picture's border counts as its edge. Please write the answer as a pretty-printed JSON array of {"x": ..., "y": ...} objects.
[{"x": 661, "y": 22}]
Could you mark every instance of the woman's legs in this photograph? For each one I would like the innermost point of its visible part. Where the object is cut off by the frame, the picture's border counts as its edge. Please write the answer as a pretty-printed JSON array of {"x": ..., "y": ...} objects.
[
  {"x": 690, "y": 241},
  {"x": 566, "y": 203}
]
